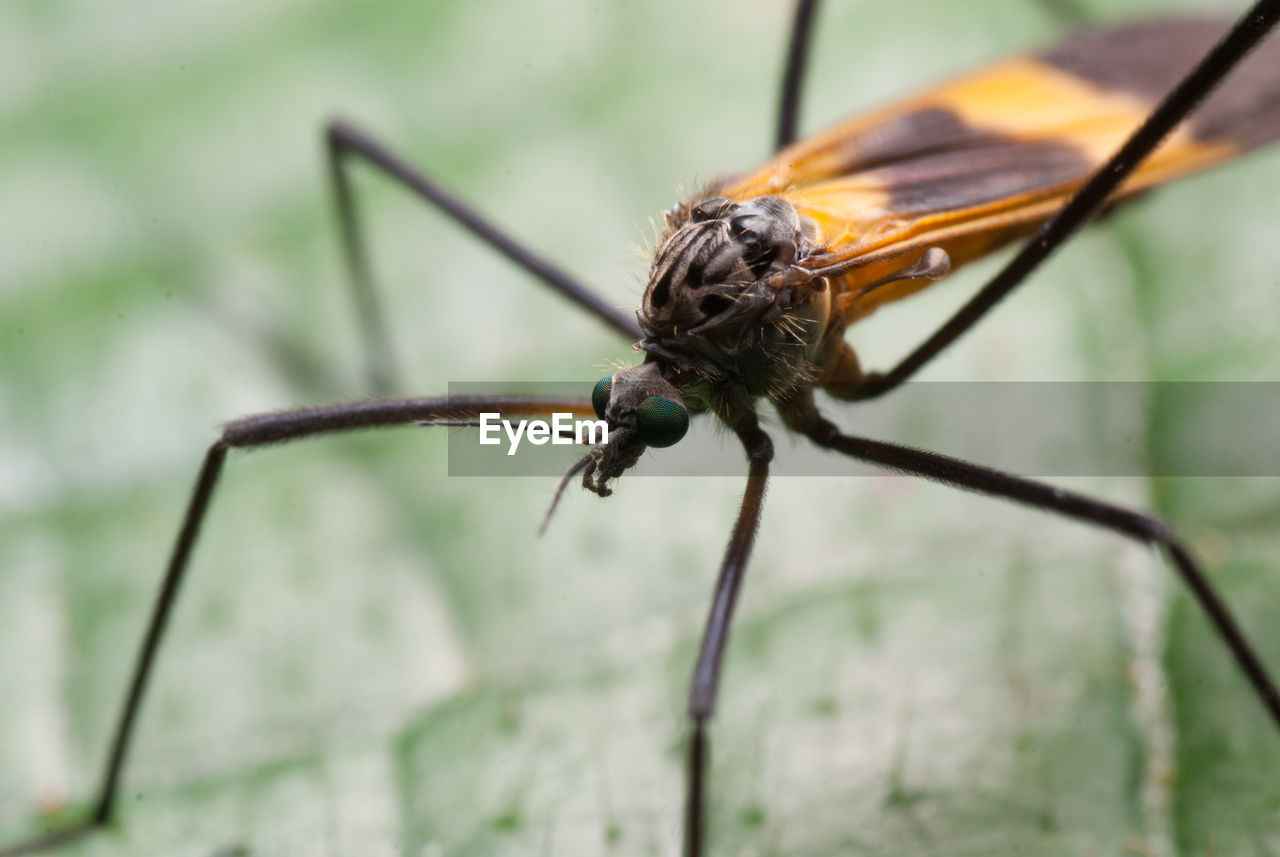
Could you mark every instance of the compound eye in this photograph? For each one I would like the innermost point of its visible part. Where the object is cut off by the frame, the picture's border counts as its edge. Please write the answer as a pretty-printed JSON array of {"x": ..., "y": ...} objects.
[
  {"x": 600, "y": 395},
  {"x": 661, "y": 422}
]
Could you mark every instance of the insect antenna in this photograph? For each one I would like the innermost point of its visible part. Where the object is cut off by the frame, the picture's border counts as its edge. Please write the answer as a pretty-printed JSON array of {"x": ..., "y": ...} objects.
[{"x": 573, "y": 471}]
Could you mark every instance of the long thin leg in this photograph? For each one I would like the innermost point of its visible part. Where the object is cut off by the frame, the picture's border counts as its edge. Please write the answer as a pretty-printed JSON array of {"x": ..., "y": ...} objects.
[
  {"x": 706, "y": 674},
  {"x": 261, "y": 430},
  {"x": 1131, "y": 524},
  {"x": 1176, "y": 106},
  {"x": 801, "y": 42},
  {"x": 343, "y": 141},
  {"x": 793, "y": 73}
]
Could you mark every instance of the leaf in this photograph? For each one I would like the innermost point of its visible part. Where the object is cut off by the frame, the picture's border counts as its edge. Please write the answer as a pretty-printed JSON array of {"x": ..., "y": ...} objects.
[{"x": 372, "y": 657}]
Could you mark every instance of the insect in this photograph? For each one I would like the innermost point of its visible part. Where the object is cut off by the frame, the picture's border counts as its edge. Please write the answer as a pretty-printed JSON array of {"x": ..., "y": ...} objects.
[{"x": 511, "y": 818}]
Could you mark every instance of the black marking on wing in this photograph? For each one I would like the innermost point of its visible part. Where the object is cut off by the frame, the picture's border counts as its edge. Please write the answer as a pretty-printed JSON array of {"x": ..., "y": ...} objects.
[
  {"x": 909, "y": 135},
  {"x": 1148, "y": 59},
  {"x": 965, "y": 178}
]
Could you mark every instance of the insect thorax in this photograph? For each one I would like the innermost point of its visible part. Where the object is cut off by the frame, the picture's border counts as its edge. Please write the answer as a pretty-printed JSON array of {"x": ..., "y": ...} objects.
[{"x": 716, "y": 306}]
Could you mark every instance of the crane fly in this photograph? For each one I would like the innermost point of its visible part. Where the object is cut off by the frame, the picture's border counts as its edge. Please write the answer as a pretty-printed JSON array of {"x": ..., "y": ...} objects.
[{"x": 757, "y": 277}]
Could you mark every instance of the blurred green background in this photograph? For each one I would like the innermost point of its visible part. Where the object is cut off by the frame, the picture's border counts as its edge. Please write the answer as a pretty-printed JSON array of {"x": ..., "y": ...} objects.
[{"x": 372, "y": 658}]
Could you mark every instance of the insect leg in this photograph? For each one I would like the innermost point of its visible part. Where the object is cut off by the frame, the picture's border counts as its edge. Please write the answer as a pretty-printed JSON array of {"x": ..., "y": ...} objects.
[
  {"x": 1138, "y": 526},
  {"x": 1069, "y": 12},
  {"x": 1176, "y": 106},
  {"x": 344, "y": 141},
  {"x": 706, "y": 674},
  {"x": 249, "y": 432},
  {"x": 793, "y": 73}
]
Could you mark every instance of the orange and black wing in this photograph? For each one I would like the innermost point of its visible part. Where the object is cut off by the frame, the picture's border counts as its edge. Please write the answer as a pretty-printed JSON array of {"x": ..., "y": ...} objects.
[{"x": 983, "y": 159}]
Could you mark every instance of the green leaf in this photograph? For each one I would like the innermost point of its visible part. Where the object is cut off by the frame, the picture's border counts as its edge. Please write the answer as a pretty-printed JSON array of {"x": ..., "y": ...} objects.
[{"x": 373, "y": 657}]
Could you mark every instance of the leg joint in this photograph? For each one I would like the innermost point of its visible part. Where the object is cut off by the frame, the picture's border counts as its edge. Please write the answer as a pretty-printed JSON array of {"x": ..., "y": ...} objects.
[
  {"x": 338, "y": 133},
  {"x": 760, "y": 447}
]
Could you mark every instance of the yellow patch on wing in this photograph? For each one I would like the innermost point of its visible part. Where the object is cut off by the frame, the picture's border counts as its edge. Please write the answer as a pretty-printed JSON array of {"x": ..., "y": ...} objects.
[{"x": 967, "y": 166}]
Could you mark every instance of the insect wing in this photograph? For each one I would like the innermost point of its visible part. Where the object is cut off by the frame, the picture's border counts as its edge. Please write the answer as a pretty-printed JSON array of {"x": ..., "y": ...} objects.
[{"x": 983, "y": 159}]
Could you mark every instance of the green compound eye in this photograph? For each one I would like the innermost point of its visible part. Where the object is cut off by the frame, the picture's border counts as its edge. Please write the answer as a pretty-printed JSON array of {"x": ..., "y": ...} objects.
[
  {"x": 600, "y": 395},
  {"x": 661, "y": 422}
]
